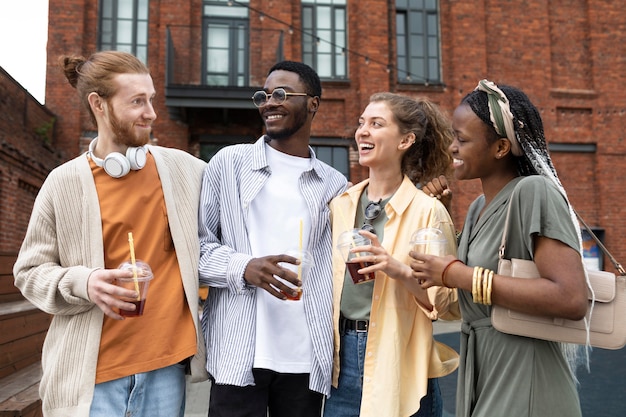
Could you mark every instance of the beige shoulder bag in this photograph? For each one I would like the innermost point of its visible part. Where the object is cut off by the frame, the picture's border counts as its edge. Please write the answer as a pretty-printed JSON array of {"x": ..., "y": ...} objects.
[{"x": 607, "y": 328}]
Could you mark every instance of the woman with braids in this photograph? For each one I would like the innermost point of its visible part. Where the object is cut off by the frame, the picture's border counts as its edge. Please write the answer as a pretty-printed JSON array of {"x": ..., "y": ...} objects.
[
  {"x": 386, "y": 360},
  {"x": 499, "y": 139}
]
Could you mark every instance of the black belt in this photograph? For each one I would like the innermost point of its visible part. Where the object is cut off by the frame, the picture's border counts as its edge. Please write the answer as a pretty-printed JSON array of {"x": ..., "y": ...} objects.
[{"x": 356, "y": 325}]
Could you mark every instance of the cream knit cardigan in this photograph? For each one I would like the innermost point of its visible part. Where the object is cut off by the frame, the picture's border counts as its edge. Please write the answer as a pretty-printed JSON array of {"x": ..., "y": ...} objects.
[{"x": 63, "y": 245}]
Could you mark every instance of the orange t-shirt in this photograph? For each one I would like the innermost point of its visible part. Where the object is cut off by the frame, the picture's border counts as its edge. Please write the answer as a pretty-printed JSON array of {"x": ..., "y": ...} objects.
[{"x": 165, "y": 334}]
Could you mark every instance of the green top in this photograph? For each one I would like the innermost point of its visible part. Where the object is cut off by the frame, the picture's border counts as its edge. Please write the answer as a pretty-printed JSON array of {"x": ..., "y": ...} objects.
[
  {"x": 501, "y": 374},
  {"x": 356, "y": 299}
]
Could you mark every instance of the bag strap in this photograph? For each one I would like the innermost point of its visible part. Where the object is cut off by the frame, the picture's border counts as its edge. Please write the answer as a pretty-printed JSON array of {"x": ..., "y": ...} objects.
[
  {"x": 617, "y": 265},
  {"x": 506, "y": 227}
]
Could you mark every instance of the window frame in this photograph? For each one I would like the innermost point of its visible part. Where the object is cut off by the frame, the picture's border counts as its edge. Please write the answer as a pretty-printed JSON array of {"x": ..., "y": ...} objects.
[
  {"x": 140, "y": 50},
  {"x": 412, "y": 72},
  {"x": 313, "y": 44},
  {"x": 237, "y": 19},
  {"x": 332, "y": 144},
  {"x": 235, "y": 26}
]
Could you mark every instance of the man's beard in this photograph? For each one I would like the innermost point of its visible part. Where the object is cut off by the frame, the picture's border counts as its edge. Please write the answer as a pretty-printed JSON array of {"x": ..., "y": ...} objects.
[
  {"x": 124, "y": 133},
  {"x": 286, "y": 132}
]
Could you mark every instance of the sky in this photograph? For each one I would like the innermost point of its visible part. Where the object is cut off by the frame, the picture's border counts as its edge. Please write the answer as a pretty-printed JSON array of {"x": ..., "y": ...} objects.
[{"x": 23, "y": 39}]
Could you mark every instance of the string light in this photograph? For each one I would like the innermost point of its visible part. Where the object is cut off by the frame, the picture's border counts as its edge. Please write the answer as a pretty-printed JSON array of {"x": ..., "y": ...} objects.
[{"x": 262, "y": 15}]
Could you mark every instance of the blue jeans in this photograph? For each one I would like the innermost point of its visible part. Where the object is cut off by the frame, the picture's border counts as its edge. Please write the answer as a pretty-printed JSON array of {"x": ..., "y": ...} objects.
[
  {"x": 345, "y": 401},
  {"x": 158, "y": 393}
]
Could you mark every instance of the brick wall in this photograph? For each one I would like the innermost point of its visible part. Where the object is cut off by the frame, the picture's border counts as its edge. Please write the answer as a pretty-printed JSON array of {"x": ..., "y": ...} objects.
[
  {"x": 566, "y": 54},
  {"x": 27, "y": 154}
]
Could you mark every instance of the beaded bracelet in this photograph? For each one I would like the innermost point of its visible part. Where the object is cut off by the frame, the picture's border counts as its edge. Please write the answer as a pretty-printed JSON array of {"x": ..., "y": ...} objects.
[{"x": 445, "y": 271}]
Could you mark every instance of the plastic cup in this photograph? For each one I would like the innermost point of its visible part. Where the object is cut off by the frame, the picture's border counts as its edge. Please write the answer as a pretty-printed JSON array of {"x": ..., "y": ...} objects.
[
  {"x": 140, "y": 284},
  {"x": 429, "y": 241},
  {"x": 303, "y": 269},
  {"x": 348, "y": 240}
]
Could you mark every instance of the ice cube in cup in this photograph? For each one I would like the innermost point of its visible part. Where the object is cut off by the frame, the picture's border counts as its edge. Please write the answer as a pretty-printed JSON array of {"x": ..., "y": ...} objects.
[{"x": 139, "y": 283}]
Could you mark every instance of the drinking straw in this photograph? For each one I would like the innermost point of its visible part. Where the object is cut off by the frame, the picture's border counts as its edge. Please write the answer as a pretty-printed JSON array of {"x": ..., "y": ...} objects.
[
  {"x": 132, "y": 260},
  {"x": 430, "y": 222},
  {"x": 301, "y": 254},
  {"x": 432, "y": 212}
]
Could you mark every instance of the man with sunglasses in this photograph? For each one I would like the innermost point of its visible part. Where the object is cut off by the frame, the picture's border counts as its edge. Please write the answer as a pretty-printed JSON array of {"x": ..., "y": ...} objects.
[{"x": 264, "y": 351}]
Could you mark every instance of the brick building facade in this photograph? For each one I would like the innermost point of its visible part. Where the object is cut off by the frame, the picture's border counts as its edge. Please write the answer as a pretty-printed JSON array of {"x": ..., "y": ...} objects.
[
  {"x": 566, "y": 54},
  {"x": 207, "y": 57},
  {"x": 27, "y": 155}
]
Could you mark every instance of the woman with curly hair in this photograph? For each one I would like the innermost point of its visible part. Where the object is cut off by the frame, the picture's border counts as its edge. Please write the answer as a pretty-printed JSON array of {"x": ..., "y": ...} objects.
[{"x": 386, "y": 360}]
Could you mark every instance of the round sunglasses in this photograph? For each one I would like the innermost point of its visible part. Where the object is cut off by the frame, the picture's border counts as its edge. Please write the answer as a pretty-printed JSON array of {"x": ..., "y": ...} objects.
[
  {"x": 371, "y": 212},
  {"x": 279, "y": 95}
]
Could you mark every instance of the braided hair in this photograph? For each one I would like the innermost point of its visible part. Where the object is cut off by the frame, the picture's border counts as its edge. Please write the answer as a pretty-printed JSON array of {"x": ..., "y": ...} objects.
[
  {"x": 528, "y": 126},
  {"x": 532, "y": 157}
]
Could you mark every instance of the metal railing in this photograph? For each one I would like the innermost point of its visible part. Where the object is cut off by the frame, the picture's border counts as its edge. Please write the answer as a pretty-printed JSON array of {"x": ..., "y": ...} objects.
[{"x": 186, "y": 53}]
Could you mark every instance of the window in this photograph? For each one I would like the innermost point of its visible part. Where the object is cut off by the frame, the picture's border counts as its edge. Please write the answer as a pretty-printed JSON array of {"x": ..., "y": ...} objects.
[
  {"x": 208, "y": 150},
  {"x": 417, "y": 37},
  {"x": 226, "y": 42},
  {"x": 212, "y": 144},
  {"x": 124, "y": 27},
  {"x": 334, "y": 155},
  {"x": 324, "y": 37}
]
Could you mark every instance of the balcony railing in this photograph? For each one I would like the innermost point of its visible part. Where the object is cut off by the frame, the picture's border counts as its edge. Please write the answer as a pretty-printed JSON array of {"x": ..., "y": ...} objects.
[{"x": 186, "y": 80}]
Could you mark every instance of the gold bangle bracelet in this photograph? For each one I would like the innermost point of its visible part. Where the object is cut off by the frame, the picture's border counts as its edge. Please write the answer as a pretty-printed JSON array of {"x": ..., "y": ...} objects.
[
  {"x": 485, "y": 281},
  {"x": 474, "y": 293},
  {"x": 479, "y": 285},
  {"x": 489, "y": 288}
]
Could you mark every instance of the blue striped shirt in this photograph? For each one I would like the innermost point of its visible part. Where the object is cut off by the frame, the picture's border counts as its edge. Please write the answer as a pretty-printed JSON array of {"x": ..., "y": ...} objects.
[{"x": 231, "y": 181}]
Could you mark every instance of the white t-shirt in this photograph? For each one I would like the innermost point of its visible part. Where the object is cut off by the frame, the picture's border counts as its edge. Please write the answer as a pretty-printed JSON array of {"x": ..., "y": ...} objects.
[{"x": 283, "y": 342}]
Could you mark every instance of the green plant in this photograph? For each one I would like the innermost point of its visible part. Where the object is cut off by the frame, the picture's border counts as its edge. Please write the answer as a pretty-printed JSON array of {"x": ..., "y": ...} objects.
[{"x": 45, "y": 131}]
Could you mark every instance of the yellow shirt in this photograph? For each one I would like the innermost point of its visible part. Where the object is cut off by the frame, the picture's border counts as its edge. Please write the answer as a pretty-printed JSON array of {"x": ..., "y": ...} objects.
[{"x": 401, "y": 353}]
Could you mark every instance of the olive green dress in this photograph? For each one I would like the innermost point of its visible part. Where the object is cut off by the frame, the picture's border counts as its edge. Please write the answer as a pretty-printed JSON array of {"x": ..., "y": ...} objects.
[{"x": 501, "y": 374}]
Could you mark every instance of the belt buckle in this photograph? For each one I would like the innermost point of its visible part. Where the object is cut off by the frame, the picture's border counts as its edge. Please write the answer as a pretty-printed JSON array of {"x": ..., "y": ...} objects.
[{"x": 361, "y": 326}]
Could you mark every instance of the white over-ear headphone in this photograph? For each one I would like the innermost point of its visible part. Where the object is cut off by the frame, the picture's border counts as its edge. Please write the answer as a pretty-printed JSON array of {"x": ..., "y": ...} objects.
[{"x": 117, "y": 165}]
